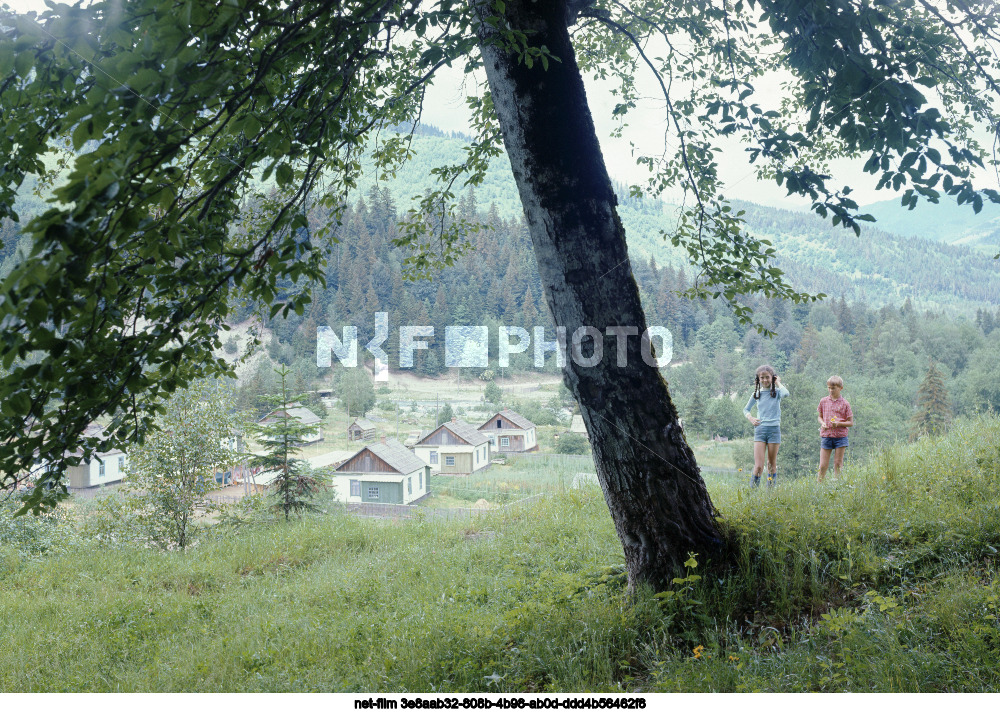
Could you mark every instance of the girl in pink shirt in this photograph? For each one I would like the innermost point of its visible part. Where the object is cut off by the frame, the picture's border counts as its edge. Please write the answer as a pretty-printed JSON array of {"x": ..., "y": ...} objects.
[{"x": 835, "y": 417}]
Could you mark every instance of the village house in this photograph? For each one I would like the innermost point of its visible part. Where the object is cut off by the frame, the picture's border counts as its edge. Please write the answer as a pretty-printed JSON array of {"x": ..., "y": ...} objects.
[
  {"x": 577, "y": 426},
  {"x": 296, "y": 411},
  {"x": 454, "y": 448},
  {"x": 510, "y": 432},
  {"x": 361, "y": 430},
  {"x": 382, "y": 472},
  {"x": 100, "y": 469}
]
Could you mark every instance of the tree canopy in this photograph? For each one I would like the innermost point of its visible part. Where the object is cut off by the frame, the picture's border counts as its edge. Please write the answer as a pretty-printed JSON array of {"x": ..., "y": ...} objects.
[{"x": 199, "y": 134}]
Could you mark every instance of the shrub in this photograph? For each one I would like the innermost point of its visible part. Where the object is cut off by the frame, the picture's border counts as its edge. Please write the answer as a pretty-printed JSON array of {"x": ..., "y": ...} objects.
[{"x": 572, "y": 444}]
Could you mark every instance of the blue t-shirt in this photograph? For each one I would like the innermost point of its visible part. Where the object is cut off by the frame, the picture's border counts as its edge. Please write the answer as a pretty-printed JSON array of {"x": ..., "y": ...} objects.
[{"x": 768, "y": 407}]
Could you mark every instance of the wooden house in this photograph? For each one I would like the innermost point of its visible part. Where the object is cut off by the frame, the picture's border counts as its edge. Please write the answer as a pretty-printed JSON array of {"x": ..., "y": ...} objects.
[
  {"x": 510, "y": 432},
  {"x": 295, "y": 411},
  {"x": 382, "y": 472},
  {"x": 361, "y": 429},
  {"x": 454, "y": 447},
  {"x": 577, "y": 426}
]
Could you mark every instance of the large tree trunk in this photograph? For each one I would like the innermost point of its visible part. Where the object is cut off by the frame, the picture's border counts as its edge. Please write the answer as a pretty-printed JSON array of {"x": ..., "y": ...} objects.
[{"x": 650, "y": 479}]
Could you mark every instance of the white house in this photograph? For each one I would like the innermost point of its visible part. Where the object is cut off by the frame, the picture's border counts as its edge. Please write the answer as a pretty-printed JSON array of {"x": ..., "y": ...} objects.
[
  {"x": 99, "y": 469},
  {"x": 382, "y": 472},
  {"x": 510, "y": 432},
  {"x": 454, "y": 447},
  {"x": 297, "y": 412}
]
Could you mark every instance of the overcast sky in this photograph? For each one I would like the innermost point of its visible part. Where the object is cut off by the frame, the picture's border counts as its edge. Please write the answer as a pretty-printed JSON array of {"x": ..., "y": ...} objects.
[{"x": 445, "y": 108}]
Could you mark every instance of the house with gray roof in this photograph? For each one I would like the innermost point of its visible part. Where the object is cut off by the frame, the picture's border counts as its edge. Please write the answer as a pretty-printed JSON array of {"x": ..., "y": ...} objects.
[
  {"x": 510, "y": 432},
  {"x": 454, "y": 448},
  {"x": 296, "y": 411},
  {"x": 382, "y": 472}
]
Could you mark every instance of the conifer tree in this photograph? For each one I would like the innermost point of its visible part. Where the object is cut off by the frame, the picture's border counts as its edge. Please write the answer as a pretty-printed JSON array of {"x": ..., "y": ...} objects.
[
  {"x": 933, "y": 412},
  {"x": 695, "y": 422},
  {"x": 295, "y": 486}
]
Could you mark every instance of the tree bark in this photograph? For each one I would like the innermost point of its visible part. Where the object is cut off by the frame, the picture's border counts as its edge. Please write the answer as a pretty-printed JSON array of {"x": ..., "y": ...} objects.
[{"x": 651, "y": 482}]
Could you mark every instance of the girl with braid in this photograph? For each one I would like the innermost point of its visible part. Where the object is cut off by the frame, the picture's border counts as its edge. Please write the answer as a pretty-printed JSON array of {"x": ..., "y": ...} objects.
[{"x": 767, "y": 395}]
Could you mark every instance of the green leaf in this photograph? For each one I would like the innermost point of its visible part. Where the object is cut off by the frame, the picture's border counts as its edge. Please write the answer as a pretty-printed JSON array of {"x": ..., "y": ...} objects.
[{"x": 284, "y": 174}]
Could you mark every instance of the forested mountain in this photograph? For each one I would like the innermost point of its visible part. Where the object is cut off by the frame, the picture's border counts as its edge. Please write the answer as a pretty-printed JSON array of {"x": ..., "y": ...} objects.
[
  {"x": 940, "y": 262},
  {"x": 945, "y": 222},
  {"x": 877, "y": 267}
]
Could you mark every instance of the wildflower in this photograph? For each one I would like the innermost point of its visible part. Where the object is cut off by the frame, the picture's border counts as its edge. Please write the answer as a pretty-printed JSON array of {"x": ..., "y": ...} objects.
[
  {"x": 697, "y": 651},
  {"x": 734, "y": 658}
]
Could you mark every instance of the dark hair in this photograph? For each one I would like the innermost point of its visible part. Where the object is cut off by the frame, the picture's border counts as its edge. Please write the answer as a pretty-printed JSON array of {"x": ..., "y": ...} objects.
[{"x": 765, "y": 369}]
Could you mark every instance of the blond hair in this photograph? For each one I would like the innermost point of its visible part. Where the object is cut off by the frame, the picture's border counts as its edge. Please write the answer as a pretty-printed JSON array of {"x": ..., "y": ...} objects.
[{"x": 835, "y": 381}]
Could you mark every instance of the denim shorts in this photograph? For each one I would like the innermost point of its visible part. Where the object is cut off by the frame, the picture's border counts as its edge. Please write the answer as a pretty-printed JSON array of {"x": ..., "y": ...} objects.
[
  {"x": 767, "y": 434},
  {"x": 830, "y": 444}
]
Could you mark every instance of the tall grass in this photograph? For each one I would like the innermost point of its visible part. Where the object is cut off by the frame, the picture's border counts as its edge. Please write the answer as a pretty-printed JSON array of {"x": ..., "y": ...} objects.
[{"x": 883, "y": 581}]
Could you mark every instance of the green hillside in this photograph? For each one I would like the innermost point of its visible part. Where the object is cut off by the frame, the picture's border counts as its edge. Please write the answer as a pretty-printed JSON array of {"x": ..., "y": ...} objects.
[{"x": 883, "y": 582}]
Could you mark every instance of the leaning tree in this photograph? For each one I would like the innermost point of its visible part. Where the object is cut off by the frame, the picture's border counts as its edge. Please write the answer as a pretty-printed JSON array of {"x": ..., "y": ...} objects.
[{"x": 197, "y": 135}]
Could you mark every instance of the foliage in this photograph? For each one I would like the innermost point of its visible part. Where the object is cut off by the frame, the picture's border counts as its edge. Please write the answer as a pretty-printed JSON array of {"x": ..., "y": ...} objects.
[
  {"x": 695, "y": 416},
  {"x": 34, "y": 536},
  {"x": 493, "y": 394},
  {"x": 357, "y": 392},
  {"x": 294, "y": 486},
  {"x": 445, "y": 414},
  {"x": 572, "y": 444},
  {"x": 725, "y": 418},
  {"x": 933, "y": 412},
  {"x": 172, "y": 470}
]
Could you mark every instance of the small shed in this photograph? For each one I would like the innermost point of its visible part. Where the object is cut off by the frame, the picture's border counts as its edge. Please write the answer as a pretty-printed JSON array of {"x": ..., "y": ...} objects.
[{"x": 361, "y": 429}]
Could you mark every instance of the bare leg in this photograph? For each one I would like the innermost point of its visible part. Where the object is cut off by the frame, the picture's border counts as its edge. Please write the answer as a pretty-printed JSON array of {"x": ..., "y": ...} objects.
[
  {"x": 824, "y": 462},
  {"x": 772, "y": 462},
  {"x": 758, "y": 461},
  {"x": 838, "y": 460}
]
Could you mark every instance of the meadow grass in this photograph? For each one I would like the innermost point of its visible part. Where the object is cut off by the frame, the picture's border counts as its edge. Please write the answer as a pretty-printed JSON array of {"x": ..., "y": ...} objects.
[{"x": 883, "y": 581}]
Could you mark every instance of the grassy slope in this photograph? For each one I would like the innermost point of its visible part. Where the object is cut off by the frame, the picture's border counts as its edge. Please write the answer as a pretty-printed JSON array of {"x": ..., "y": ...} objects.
[{"x": 885, "y": 581}]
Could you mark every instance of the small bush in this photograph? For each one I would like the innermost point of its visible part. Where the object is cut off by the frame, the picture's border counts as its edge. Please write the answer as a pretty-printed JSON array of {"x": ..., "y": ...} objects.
[{"x": 572, "y": 444}]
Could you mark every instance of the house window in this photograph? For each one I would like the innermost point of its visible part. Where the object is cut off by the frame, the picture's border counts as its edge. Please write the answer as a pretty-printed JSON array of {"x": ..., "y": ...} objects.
[
  {"x": 449, "y": 460},
  {"x": 434, "y": 457},
  {"x": 100, "y": 470},
  {"x": 373, "y": 492},
  {"x": 356, "y": 488},
  {"x": 499, "y": 423},
  {"x": 409, "y": 486},
  {"x": 477, "y": 456},
  {"x": 504, "y": 442},
  {"x": 121, "y": 463},
  {"x": 420, "y": 481}
]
